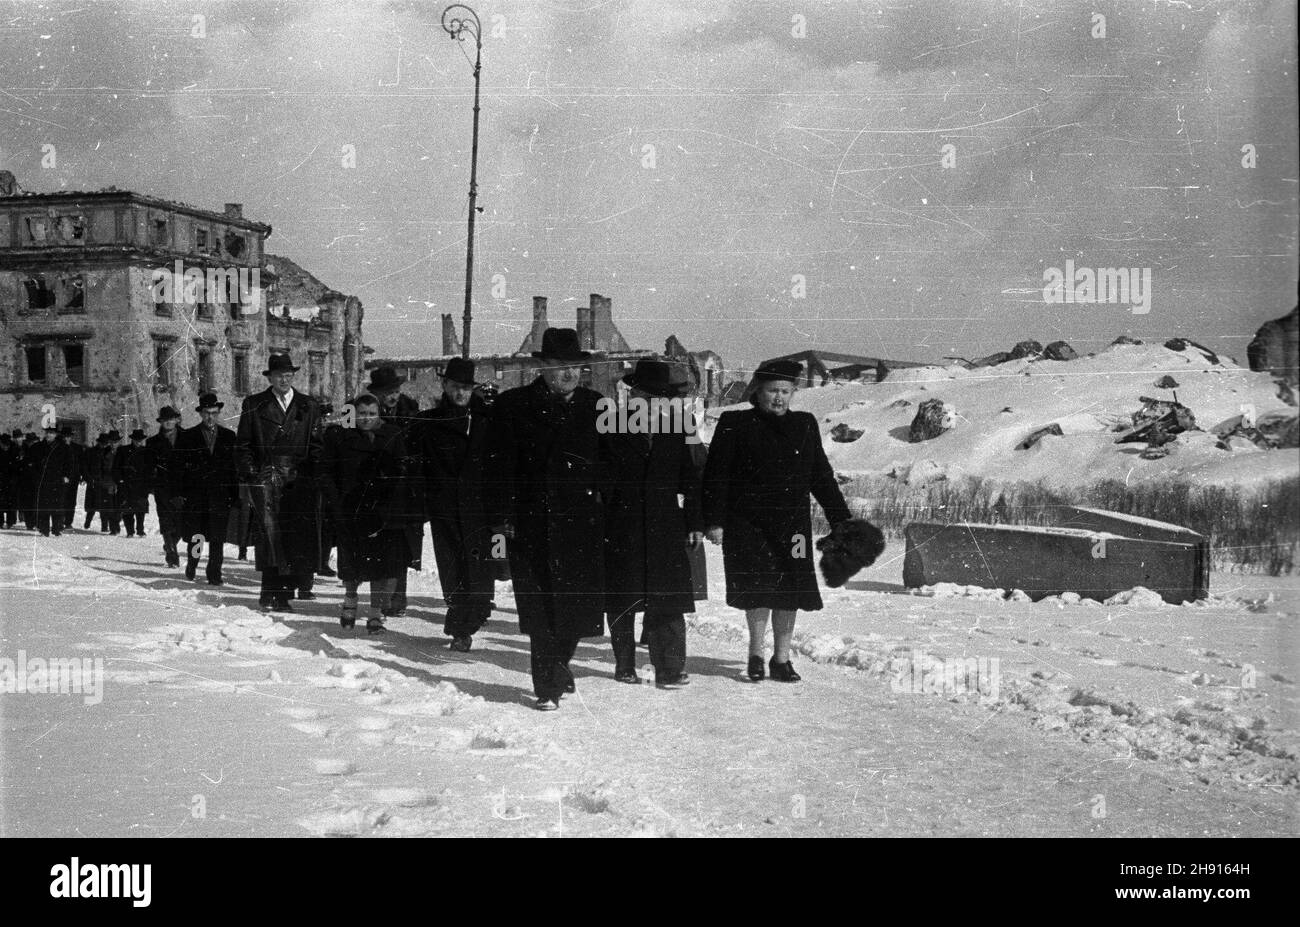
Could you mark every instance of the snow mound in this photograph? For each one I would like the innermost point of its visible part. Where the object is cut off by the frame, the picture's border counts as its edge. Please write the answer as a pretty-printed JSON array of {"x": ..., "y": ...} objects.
[{"x": 1089, "y": 400}]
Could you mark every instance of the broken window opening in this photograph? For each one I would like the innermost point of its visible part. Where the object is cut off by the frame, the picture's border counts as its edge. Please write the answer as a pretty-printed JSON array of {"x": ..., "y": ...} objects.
[
  {"x": 206, "y": 378},
  {"x": 35, "y": 363},
  {"x": 239, "y": 375},
  {"x": 74, "y": 293},
  {"x": 40, "y": 295},
  {"x": 74, "y": 364}
]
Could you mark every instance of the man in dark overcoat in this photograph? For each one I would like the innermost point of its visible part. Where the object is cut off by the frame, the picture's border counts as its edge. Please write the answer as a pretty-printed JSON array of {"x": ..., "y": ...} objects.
[
  {"x": 27, "y": 479},
  {"x": 546, "y": 476},
  {"x": 91, "y": 463},
  {"x": 133, "y": 471},
  {"x": 396, "y": 408},
  {"x": 10, "y": 456},
  {"x": 204, "y": 488},
  {"x": 451, "y": 441},
  {"x": 647, "y": 567},
  {"x": 277, "y": 448},
  {"x": 69, "y": 513},
  {"x": 106, "y": 502},
  {"x": 53, "y": 468},
  {"x": 162, "y": 446}
]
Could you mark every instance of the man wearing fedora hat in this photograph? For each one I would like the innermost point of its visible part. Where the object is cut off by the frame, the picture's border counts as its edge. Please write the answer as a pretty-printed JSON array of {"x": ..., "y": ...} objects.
[
  {"x": 450, "y": 440},
  {"x": 546, "y": 473},
  {"x": 277, "y": 447},
  {"x": 27, "y": 479},
  {"x": 106, "y": 501},
  {"x": 90, "y": 469},
  {"x": 647, "y": 534},
  {"x": 205, "y": 487},
  {"x": 133, "y": 471},
  {"x": 396, "y": 408},
  {"x": 53, "y": 468},
  {"x": 162, "y": 447},
  {"x": 69, "y": 513}
]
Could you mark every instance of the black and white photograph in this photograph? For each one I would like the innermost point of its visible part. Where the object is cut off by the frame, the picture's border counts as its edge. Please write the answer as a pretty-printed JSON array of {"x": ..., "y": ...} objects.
[{"x": 650, "y": 418}]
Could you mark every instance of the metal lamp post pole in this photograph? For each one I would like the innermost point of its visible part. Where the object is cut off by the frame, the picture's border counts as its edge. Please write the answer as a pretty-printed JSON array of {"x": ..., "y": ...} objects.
[{"x": 458, "y": 19}]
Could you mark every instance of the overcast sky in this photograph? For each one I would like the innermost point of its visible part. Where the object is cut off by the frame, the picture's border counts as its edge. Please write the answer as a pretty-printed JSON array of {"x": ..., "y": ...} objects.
[{"x": 788, "y": 142}]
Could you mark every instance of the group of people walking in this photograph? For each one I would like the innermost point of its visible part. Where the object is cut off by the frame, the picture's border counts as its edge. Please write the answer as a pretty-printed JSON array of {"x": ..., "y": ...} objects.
[{"x": 593, "y": 527}]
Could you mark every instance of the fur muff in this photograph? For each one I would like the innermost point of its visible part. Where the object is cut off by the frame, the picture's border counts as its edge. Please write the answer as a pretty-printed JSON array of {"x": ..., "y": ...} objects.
[{"x": 851, "y": 546}]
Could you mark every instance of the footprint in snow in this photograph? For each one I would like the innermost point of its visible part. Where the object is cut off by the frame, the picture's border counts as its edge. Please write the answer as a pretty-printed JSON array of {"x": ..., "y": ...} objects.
[{"x": 333, "y": 767}]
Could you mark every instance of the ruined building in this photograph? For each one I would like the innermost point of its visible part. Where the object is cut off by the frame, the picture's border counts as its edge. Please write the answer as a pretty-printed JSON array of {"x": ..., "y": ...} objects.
[
  {"x": 612, "y": 356},
  {"x": 114, "y": 304}
]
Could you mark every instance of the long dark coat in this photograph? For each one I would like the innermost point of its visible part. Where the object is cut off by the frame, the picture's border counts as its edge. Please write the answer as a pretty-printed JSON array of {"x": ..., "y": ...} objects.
[
  {"x": 99, "y": 472},
  {"x": 451, "y": 444},
  {"x": 760, "y": 472},
  {"x": 53, "y": 466},
  {"x": 289, "y": 438},
  {"x": 364, "y": 481},
  {"x": 406, "y": 416},
  {"x": 209, "y": 483},
  {"x": 162, "y": 451},
  {"x": 546, "y": 475},
  {"x": 646, "y": 560},
  {"x": 133, "y": 472}
]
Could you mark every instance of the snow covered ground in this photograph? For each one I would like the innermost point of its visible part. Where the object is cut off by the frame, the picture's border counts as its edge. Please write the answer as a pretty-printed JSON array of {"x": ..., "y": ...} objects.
[
  {"x": 996, "y": 408},
  {"x": 1085, "y": 719}
]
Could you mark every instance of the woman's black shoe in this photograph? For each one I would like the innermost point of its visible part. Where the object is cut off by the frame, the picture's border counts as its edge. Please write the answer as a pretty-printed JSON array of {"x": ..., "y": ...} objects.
[
  {"x": 756, "y": 671},
  {"x": 461, "y": 643},
  {"x": 374, "y": 625},
  {"x": 626, "y": 674},
  {"x": 783, "y": 672}
]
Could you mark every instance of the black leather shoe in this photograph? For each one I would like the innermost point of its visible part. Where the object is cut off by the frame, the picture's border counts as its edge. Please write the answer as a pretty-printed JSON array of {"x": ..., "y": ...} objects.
[
  {"x": 461, "y": 643},
  {"x": 306, "y": 595},
  {"x": 374, "y": 625},
  {"x": 326, "y": 571},
  {"x": 216, "y": 581},
  {"x": 672, "y": 680},
  {"x": 626, "y": 674},
  {"x": 755, "y": 670},
  {"x": 281, "y": 605},
  {"x": 393, "y": 612},
  {"x": 546, "y": 704},
  {"x": 174, "y": 561},
  {"x": 783, "y": 672},
  {"x": 192, "y": 567}
]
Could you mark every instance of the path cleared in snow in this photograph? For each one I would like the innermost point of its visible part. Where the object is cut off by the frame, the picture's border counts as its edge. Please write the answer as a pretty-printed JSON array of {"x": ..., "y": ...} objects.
[{"x": 216, "y": 720}]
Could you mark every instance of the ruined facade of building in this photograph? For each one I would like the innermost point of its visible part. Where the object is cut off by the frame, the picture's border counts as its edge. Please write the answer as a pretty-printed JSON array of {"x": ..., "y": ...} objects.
[
  {"x": 114, "y": 304},
  {"x": 612, "y": 356}
]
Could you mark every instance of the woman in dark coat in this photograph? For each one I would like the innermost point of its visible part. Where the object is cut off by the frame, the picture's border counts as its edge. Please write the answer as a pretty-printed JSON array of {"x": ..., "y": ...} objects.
[
  {"x": 763, "y": 464},
  {"x": 362, "y": 478},
  {"x": 451, "y": 444},
  {"x": 647, "y": 566}
]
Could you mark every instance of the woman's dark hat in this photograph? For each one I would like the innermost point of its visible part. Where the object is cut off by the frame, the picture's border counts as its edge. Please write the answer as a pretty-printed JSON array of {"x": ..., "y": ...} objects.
[
  {"x": 209, "y": 401},
  {"x": 561, "y": 344},
  {"x": 138, "y": 435},
  {"x": 658, "y": 378},
  {"x": 278, "y": 363},
  {"x": 460, "y": 370},
  {"x": 113, "y": 436},
  {"x": 384, "y": 380},
  {"x": 166, "y": 413},
  {"x": 779, "y": 370},
  {"x": 102, "y": 439}
]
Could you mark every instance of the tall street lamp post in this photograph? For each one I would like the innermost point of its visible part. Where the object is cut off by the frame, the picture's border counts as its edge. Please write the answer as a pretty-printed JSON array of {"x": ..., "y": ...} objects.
[{"x": 459, "y": 19}]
